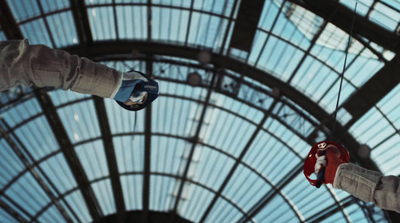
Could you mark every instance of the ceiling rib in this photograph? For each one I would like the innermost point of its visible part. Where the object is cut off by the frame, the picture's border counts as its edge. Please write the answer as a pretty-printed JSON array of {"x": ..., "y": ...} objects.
[
  {"x": 110, "y": 157},
  {"x": 7, "y": 22},
  {"x": 247, "y": 20},
  {"x": 147, "y": 152},
  {"x": 69, "y": 153},
  {"x": 194, "y": 144},
  {"x": 362, "y": 26},
  {"x": 99, "y": 51},
  {"x": 81, "y": 19},
  {"x": 376, "y": 88}
]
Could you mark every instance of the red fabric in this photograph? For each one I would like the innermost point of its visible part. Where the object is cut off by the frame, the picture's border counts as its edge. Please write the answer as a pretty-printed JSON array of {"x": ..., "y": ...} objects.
[{"x": 333, "y": 163}]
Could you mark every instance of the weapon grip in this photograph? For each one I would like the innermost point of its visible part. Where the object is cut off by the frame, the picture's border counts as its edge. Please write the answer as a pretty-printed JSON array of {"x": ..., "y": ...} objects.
[
  {"x": 321, "y": 173},
  {"x": 320, "y": 178}
]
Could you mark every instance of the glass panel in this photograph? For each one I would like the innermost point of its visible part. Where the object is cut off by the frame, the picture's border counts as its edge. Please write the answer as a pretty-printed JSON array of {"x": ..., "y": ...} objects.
[
  {"x": 306, "y": 199},
  {"x": 62, "y": 29},
  {"x": 75, "y": 200},
  {"x": 24, "y": 9},
  {"x": 32, "y": 199},
  {"x": 102, "y": 23},
  {"x": 246, "y": 187},
  {"x": 385, "y": 16},
  {"x": 57, "y": 170},
  {"x": 169, "y": 155},
  {"x": 52, "y": 214},
  {"x": 5, "y": 217},
  {"x": 271, "y": 157},
  {"x": 93, "y": 159},
  {"x": 132, "y": 186},
  {"x": 277, "y": 210},
  {"x": 10, "y": 164},
  {"x": 36, "y": 33},
  {"x": 37, "y": 137},
  {"x": 224, "y": 211},
  {"x": 80, "y": 121},
  {"x": 169, "y": 24},
  {"x": 129, "y": 152},
  {"x": 206, "y": 162},
  {"x": 132, "y": 22},
  {"x": 206, "y": 30},
  {"x": 21, "y": 112},
  {"x": 226, "y": 131},
  {"x": 104, "y": 195},
  {"x": 53, "y": 5},
  {"x": 363, "y": 6},
  {"x": 195, "y": 203},
  {"x": 2, "y": 36},
  {"x": 284, "y": 66},
  {"x": 61, "y": 97}
]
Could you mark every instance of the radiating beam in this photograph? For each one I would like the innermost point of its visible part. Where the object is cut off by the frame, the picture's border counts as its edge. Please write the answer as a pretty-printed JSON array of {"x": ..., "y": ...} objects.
[
  {"x": 366, "y": 97},
  {"x": 25, "y": 160},
  {"x": 110, "y": 157},
  {"x": 247, "y": 20},
  {"x": 239, "y": 159},
  {"x": 194, "y": 143},
  {"x": 8, "y": 23},
  {"x": 81, "y": 20},
  {"x": 362, "y": 25},
  {"x": 147, "y": 152},
  {"x": 69, "y": 153}
]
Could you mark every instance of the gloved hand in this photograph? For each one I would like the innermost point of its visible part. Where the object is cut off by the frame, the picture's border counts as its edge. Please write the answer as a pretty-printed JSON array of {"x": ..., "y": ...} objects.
[
  {"x": 136, "y": 91},
  {"x": 126, "y": 92},
  {"x": 331, "y": 161},
  {"x": 323, "y": 159}
]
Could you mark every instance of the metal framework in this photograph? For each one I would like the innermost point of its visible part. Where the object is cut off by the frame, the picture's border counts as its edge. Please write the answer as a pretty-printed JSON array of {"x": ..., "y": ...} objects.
[{"x": 357, "y": 105}]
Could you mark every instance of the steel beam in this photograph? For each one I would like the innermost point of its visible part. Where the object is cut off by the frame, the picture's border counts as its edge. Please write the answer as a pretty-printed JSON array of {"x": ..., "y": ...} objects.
[
  {"x": 69, "y": 153},
  {"x": 110, "y": 157},
  {"x": 81, "y": 19},
  {"x": 363, "y": 27},
  {"x": 8, "y": 23},
  {"x": 147, "y": 153},
  {"x": 195, "y": 140}
]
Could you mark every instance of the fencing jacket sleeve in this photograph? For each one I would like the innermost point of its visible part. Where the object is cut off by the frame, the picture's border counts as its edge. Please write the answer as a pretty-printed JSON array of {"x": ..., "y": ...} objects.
[
  {"x": 41, "y": 66},
  {"x": 369, "y": 186}
]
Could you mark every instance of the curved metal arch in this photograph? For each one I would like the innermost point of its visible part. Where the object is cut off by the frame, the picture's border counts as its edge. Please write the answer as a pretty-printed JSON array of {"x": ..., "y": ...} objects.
[
  {"x": 260, "y": 175},
  {"x": 188, "y": 180},
  {"x": 99, "y": 51}
]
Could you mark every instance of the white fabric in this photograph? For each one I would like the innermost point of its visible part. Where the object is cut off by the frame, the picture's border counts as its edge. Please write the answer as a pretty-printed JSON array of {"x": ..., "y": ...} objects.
[
  {"x": 41, "y": 66},
  {"x": 320, "y": 163},
  {"x": 369, "y": 186}
]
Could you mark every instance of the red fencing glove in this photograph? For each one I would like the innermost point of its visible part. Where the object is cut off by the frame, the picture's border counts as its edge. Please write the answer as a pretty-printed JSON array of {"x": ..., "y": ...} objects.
[
  {"x": 323, "y": 159},
  {"x": 330, "y": 161}
]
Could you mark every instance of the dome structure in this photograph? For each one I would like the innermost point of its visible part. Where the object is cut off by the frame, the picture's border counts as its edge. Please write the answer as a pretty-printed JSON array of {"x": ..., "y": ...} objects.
[{"x": 246, "y": 88}]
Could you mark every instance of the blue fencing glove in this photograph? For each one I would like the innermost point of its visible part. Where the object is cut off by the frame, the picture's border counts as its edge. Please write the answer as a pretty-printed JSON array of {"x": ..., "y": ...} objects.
[{"x": 136, "y": 91}]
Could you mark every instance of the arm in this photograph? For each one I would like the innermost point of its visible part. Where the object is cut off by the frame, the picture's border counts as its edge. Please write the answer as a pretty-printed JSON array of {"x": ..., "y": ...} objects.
[
  {"x": 42, "y": 66},
  {"x": 369, "y": 186}
]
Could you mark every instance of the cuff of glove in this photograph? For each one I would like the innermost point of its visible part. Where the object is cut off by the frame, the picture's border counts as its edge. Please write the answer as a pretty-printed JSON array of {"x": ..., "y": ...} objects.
[{"x": 125, "y": 90}]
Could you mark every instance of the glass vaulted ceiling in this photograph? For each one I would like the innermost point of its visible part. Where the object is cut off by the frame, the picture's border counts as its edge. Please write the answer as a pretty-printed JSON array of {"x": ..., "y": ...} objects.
[{"x": 229, "y": 149}]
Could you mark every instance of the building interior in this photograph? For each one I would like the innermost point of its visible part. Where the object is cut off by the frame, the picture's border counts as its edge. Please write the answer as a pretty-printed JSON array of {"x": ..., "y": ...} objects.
[{"x": 246, "y": 88}]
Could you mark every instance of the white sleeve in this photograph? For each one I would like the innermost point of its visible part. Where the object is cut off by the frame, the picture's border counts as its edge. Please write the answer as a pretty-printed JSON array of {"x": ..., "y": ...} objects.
[
  {"x": 41, "y": 66},
  {"x": 369, "y": 186}
]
